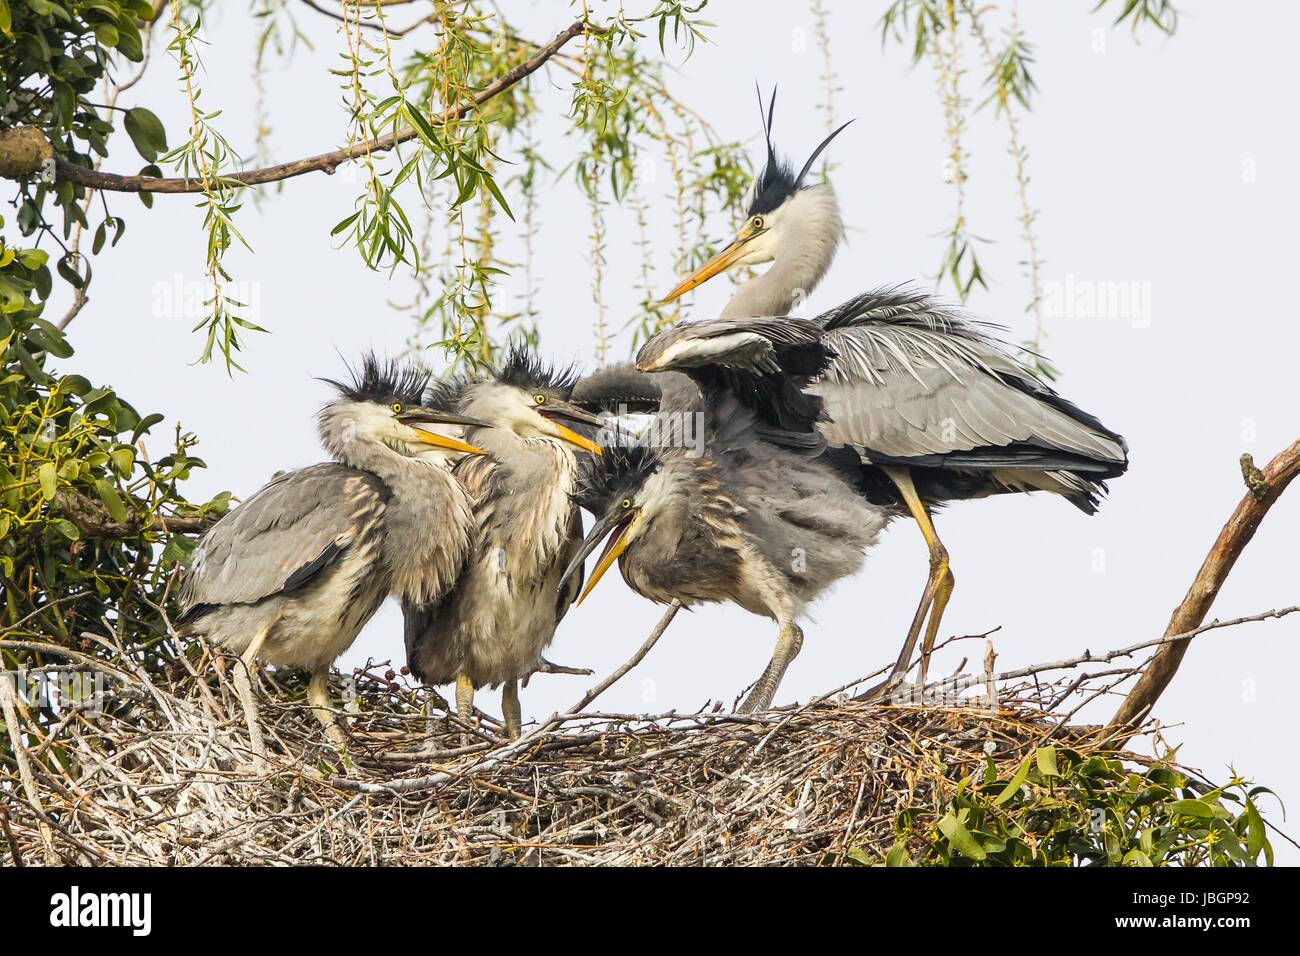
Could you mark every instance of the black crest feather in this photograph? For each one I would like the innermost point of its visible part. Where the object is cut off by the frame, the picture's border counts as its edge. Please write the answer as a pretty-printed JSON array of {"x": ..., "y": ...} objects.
[
  {"x": 615, "y": 475},
  {"x": 523, "y": 368},
  {"x": 383, "y": 380},
  {"x": 776, "y": 181}
]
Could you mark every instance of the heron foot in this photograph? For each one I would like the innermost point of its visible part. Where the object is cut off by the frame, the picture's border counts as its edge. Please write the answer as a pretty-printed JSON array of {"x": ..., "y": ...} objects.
[
  {"x": 788, "y": 645},
  {"x": 510, "y": 709}
]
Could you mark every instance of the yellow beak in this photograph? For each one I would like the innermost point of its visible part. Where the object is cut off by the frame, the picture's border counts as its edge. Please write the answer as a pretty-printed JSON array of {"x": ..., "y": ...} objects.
[
  {"x": 442, "y": 441},
  {"x": 614, "y": 547},
  {"x": 723, "y": 261},
  {"x": 573, "y": 438}
]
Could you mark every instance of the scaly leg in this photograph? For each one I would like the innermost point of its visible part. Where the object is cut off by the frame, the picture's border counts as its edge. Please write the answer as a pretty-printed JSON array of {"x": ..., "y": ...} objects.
[
  {"x": 244, "y": 687},
  {"x": 788, "y": 644},
  {"x": 510, "y": 709},
  {"x": 940, "y": 579},
  {"x": 465, "y": 701},
  {"x": 318, "y": 697},
  {"x": 941, "y": 597}
]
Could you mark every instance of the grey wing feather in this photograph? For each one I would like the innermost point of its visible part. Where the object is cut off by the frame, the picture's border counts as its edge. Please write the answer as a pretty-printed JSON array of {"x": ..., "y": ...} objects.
[
  {"x": 281, "y": 537},
  {"x": 911, "y": 379}
]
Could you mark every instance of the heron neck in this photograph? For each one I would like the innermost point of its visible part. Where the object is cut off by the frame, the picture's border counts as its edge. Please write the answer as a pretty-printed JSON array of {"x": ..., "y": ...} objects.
[{"x": 812, "y": 229}]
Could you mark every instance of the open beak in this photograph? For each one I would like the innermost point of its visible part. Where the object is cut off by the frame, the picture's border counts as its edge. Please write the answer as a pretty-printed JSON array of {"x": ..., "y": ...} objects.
[
  {"x": 417, "y": 417},
  {"x": 723, "y": 261},
  {"x": 618, "y": 529},
  {"x": 558, "y": 412}
]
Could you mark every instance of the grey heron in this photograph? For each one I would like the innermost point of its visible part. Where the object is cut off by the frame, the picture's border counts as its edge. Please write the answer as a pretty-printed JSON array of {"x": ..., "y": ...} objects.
[
  {"x": 293, "y": 574},
  {"x": 492, "y": 627},
  {"x": 758, "y": 519},
  {"x": 927, "y": 405}
]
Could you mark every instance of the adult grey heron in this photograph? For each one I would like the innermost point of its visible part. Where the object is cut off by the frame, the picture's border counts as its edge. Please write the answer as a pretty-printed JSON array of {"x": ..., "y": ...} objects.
[
  {"x": 293, "y": 574},
  {"x": 492, "y": 627},
  {"x": 926, "y": 404},
  {"x": 757, "y": 519}
]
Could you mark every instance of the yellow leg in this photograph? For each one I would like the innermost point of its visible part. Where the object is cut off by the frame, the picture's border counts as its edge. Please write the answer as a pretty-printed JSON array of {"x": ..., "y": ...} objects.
[
  {"x": 941, "y": 597},
  {"x": 940, "y": 580},
  {"x": 318, "y": 697},
  {"x": 788, "y": 645},
  {"x": 510, "y": 709},
  {"x": 247, "y": 699},
  {"x": 465, "y": 700}
]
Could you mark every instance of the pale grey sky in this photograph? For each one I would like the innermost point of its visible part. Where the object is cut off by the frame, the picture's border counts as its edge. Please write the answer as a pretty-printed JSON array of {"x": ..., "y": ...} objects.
[{"x": 1167, "y": 164}]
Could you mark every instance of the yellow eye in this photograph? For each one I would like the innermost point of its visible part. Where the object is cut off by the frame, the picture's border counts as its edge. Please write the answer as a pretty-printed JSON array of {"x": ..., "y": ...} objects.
[
  {"x": 539, "y": 398},
  {"x": 397, "y": 408},
  {"x": 625, "y": 503},
  {"x": 757, "y": 222}
]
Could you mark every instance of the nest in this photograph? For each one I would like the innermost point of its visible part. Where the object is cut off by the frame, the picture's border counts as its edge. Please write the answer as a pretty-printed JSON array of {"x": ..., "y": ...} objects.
[{"x": 165, "y": 775}]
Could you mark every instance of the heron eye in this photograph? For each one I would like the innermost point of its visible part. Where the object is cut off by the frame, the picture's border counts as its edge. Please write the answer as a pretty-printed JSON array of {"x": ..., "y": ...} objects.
[
  {"x": 625, "y": 503},
  {"x": 757, "y": 222},
  {"x": 397, "y": 408},
  {"x": 539, "y": 399}
]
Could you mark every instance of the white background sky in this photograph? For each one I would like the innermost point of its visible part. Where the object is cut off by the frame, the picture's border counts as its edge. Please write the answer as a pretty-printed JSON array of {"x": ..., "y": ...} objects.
[{"x": 1166, "y": 162}]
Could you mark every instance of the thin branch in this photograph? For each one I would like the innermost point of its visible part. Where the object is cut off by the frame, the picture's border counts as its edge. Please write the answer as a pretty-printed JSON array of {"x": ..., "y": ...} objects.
[
  {"x": 1264, "y": 487},
  {"x": 324, "y": 162},
  {"x": 668, "y": 615}
]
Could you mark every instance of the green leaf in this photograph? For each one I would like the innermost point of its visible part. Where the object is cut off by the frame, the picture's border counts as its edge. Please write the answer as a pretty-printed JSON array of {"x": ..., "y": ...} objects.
[
  {"x": 961, "y": 838},
  {"x": 1046, "y": 760},
  {"x": 111, "y": 499},
  {"x": 1193, "y": 808},
  {"x": 1014, "y": 785},
  {"x": 146, "y": 132},
  {"x": 66, "y": 528},
  {"x": 1257, "y": 838},
  {"x": 6, "y": 19},
  {"x": 47, "y": 478}
]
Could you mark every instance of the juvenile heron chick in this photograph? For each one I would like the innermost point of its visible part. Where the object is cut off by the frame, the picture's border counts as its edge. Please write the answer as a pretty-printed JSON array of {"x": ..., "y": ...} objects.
[
  {"x": 293, "y": 574},
  {"x": 492, "y": 627}
]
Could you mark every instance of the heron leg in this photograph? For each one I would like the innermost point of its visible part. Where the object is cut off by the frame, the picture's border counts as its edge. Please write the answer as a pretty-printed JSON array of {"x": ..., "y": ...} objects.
[
  {"x": 318, "y": 697},
  {"x": 941, "y": 596},
  {"x": 788, "y": 644},
  {"x": 247, "y": 699},
  {"x": 510, "y": 709},
  {"x": 465, "y": 701},
  {"x": 940, "y": 579}
]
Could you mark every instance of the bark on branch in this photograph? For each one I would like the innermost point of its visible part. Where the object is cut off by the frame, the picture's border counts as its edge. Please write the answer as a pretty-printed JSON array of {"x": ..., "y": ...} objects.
[
  {"x": 92, "y": 519},
  {"x": 1264, "y": 487},
  {"x": 324, "y": 162}
]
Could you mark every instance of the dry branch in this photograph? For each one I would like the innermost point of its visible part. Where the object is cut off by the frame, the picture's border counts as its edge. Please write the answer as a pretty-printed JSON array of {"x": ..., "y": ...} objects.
[
  {"x": 1264, "y": 487},
  {"x": 323, "y": 162}
]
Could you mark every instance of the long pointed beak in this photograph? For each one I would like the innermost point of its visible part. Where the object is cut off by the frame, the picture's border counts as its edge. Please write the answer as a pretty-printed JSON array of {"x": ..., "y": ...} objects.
[
  {"x": 721, "y": 262},
  {"x": 416, "y": 417},
  {"x": 555, "y": 412},
  {"x": 619, "y": 539}
]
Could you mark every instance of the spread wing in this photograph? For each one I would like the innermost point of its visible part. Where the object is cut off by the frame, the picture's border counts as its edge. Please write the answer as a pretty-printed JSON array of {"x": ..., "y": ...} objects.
[
  {"x": 283, "y": 537},
  {"x": 912, "y": 383},
  {"x": 762, "y": 364}
]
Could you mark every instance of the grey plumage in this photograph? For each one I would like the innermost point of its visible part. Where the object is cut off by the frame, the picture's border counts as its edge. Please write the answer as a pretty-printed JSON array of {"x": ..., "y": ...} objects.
[
  {"x": 755, "y": 520},
  {"x": 293, "y": 574},
  {"x": 917, "y": 404},
  {"x": 491, "y": 628}
]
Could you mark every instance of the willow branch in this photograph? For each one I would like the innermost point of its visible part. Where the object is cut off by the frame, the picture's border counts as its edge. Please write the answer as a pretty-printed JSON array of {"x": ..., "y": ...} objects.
[
  {"x": 1264, "y": 487},
  {"x": 324, "y": 162}
]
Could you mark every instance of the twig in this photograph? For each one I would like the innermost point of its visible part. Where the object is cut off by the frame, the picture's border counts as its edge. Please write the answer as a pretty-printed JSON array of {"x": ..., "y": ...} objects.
[
  {"x": 1264, "y": 487},
  {"x": 673, "y": 607},
  {"x": 323, "y": 162}
]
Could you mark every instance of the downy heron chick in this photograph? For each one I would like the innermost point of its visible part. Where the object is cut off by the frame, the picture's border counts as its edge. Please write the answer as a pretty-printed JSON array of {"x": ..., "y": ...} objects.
[
  {"x": 926, "y": 405},
  {"x": 492, "y": 627},
  {"x": 757, "y": 519},
  {"x": 293, "y": 574}
]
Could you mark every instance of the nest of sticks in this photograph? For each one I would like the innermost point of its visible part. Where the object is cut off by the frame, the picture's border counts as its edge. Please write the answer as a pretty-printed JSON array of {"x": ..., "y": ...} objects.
[{"x": 164, "y": 774}]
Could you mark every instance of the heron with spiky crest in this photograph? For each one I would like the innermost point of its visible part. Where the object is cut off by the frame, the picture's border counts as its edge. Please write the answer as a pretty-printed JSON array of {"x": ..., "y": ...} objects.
[
  {"x": 923, "y": 404},
  {"x": 758, "y": 519},
  {"x": 292, "y": 575},
  {"x": 491, "y": 628}
]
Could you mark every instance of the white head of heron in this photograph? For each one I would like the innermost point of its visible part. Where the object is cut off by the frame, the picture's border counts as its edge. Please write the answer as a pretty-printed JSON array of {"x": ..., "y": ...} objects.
[{"x": 530, "y": 413}]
